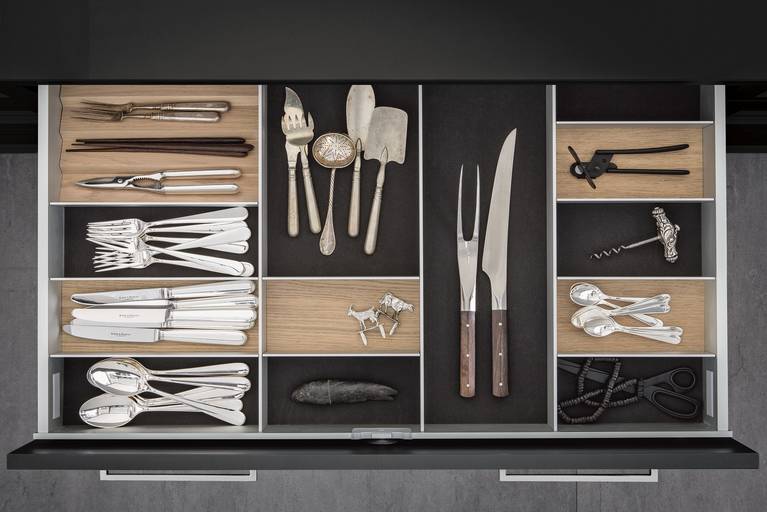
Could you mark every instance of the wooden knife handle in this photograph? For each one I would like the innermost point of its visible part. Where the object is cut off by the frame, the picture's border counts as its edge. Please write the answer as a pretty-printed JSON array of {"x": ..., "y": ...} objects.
[
  {"x": 467, "y": 353},
  {"x": 500, "y": 356}
]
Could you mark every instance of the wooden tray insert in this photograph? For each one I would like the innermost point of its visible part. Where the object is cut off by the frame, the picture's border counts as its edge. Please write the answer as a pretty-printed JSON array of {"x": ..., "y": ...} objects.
[
  {"x": 242, "y": 120},
  {"x": 71, "y": 344},
  {"x": 687, "y": 312},
  {"x": 309, "y": 317},
  {"x": 586, "y": 139}
]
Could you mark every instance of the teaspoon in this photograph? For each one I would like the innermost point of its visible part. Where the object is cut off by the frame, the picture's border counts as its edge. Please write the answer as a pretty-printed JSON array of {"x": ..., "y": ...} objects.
[
  {"x": 651, "y": 306},
  {"x": 604, "y": 326},
  {"x": 587, "y": 294}
]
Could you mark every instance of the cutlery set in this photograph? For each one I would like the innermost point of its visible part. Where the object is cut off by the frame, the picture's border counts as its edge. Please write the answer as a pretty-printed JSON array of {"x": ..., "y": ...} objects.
[
  {"x": 600, "y": 321},
  {"x": 213, "y": 314},
  {"x": 377, "y": 133},
  {"x": 124, "y": 243},
  {"x": 216, "y": 391},
  {"x": 187, "y": 111},
  {"x": 494, "y": 265}
]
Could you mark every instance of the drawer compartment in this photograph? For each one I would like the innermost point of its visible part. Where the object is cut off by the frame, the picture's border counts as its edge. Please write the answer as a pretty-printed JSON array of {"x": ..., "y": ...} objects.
[
  {"x": 311, "y": 317},
  {"x": 285, "y": 374}
]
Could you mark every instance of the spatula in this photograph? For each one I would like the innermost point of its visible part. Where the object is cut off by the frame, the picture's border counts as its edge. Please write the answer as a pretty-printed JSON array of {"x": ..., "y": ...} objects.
[{"x": 387, "y": 137}]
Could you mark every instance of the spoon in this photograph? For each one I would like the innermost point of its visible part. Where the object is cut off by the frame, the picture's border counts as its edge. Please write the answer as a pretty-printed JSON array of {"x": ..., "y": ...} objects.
[
  {"x": 202, "y": 394},
  {"x": 127, "y": 377},
  {"x": 109, "y": 411},
  {"x": 587, "y": 294},
  {"x": 604, "y": 326},
  {"x": 653, "y": 305},
  {"x": 332, "y": 151}
]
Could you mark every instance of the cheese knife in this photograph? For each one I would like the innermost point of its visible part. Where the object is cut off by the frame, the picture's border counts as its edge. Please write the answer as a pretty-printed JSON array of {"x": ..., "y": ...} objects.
[
  {"x": 138, "y": 335},
  {"x": 359, "y": 109},
  {"x": 495, "y": 261},
  {"x": 218, "y": 289}
]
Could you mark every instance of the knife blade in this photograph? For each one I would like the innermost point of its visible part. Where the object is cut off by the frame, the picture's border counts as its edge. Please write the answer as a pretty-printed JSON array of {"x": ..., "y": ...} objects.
[
  {"x": 161, "y": 317},
  {"x": 138, "y": 335},
  {"x": 218, "y": 289},
  {"x": 495, "y": 261}
]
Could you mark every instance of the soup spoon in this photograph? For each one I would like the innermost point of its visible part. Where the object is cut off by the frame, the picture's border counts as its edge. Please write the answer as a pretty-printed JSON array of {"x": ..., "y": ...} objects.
[
  {"x": 587, "y": 294},
  {"x": 109, "y": 411},
  {"x": 651, "y": 306}
]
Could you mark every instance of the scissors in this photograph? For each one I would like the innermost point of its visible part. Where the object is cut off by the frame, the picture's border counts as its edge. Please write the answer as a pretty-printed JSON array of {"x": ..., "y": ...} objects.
[{"x": 677, "y": 403}]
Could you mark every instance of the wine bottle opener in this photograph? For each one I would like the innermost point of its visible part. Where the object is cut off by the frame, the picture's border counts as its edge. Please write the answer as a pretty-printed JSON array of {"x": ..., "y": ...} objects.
[{"x": 667, "y": 236}]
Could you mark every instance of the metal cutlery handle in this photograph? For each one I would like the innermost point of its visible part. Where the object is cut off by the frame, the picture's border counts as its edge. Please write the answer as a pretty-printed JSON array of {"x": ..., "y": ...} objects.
[
  {"x": 292, "y": 201},
  {"x": 221, "y": 188},
  {"x": 354, "y": 202},
  {"x": 232, "y": 404},
  {"x": 233, "y": 248},
  {"x": 223, "y": 237},
  {"x": 198, "y": 117},
  {"x": 200, "y": 325},
  {"x": 208, "y": 337},
  {"x": 213, "y": 264},
  {"x": 645, "y": 319},
  {"x": 202, "y": 394},
  {"x": 226, "y": 302},
  {"x": 211, "y": 290},
  {"x": 202, "y": 173},
  {"x": 625, "y": 299},
  {"x": 328, "y": 237},
  {"x": 651, "y": 306},
  {"x": 371, "y": 237},
  {"x": 214, "y": 315},
  {"x": 240, "y": 369},
  {"x": 231, "y": 417},
  {"x": 226, "y": 215},
  {"x": 222, "y": 381},
  {"x": 190, "y": 106},
  {"x": 199, "y": 228},
  {"x": 311, "y": 200},
  {"x": 668, "y": 334},
  {"x": 468, "y": 365}
]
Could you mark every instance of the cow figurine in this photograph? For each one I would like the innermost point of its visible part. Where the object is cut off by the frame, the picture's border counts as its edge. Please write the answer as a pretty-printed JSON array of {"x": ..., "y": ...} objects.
[{"x": 392, "y": 306}]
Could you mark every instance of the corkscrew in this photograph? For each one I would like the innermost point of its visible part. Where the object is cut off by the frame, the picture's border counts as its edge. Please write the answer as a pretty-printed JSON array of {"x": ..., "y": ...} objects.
[{"x": 667, "y": 236}]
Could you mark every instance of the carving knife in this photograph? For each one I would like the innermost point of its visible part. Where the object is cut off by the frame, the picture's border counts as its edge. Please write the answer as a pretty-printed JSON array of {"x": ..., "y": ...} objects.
[{"x": 495, "y": 260}]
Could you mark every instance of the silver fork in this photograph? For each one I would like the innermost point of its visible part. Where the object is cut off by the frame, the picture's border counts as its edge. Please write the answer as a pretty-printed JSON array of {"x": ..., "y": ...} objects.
[
  {"x": 94, "y": 114},
  {"x": 298, "y": 134},
  {"x": 183, "y": 106},
  {"x": 232, "y": 241},
  {"x": 137, "y": 254},
  {"x": 225, "y": 216},
  {"x": 133, "y": 231}
]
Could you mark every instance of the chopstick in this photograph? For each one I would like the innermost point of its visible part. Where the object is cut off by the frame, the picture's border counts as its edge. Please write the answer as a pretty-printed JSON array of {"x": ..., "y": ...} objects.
[
  {"x": 157, "y": 150},
  {"x": 210, "y": 146},
  {"x": 182, "y": 140}
]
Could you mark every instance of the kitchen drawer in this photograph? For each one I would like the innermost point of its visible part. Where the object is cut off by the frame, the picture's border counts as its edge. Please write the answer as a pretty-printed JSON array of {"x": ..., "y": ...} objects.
[{"x": 303, "y": 332}]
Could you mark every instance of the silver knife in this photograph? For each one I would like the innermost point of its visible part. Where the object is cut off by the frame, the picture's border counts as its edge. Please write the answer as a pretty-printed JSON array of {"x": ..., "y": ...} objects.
[
  {"x": 294, "y": 108},
  {"x": 360, "y": 103},
  {"x": 495, "y": 261},
  {"x": 225, "y": 302},
  {"x": 136, "y": 335},
  {"x": 165, "y": 318},
  {"x": 218, "y": 289}
]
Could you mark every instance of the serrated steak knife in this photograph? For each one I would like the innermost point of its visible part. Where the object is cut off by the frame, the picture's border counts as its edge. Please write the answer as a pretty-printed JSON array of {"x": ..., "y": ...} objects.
[{"x": 494, "y": 261}]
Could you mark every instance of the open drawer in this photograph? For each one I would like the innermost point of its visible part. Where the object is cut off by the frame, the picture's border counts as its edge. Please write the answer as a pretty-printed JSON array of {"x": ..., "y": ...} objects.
[{"x": 305, "y": 331}]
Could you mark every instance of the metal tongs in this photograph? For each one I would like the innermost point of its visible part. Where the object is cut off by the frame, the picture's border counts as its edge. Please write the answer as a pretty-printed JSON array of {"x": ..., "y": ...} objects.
[
  {"x": 601, "y": 163},
  {"x": 154, "y": 182}
]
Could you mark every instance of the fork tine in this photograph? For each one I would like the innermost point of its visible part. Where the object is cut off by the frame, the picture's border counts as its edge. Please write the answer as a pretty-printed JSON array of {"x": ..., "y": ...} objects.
[{"x": 103, "y": 106}]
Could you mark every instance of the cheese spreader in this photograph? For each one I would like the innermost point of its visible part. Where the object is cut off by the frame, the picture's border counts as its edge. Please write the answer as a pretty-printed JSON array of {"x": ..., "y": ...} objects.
[{"x": 139, "y": 335}]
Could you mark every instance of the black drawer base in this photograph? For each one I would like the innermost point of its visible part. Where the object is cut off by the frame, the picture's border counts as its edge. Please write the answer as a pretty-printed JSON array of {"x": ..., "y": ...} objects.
[{"x": 708, "y": 453}]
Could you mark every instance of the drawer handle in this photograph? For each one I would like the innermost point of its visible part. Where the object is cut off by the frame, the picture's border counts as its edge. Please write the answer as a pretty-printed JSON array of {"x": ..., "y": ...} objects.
[
  {"x": 178, "y": 476},
  {"x": 638, "y": 476}
]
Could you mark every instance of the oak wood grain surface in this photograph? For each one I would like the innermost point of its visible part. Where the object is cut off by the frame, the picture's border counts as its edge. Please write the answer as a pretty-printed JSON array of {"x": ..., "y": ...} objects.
[
  {"x": 242, "y": 120},
  {"x": 310, "y": 317},
  {"x": 71, "y": 344},
  {"x": 687, "y": 312},
  {"x": 586, "y": 139}
]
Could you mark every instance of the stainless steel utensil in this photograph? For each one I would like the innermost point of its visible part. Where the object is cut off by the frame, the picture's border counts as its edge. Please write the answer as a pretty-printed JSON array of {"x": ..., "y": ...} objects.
[
  {"x": 360, "y": 103},
  {"x": 129, "y": 231},
  {"x": 126, "y": 334},
  {"x": 495, "y": 261},
  {"x": 298, "y": 133},
  {"x": 650, "y": 306},
  {"x": 154, "y": 182},
  {"x": 183, "y": 106},
  {"x": 110, "y": 411},
  {"x": 332, "y": 151},
  {"x": 468, "y": 253},
  {"x": 219, "y": 289},
  {"x": 225, "y": 216},
  {"x": 215, "y": 303},
  {"x": 94, "y": 114},
  {"x": 387, "y": 138},
  {"x": 604, "y": 326},
  {"x": 587, "y": 294},
  {"x": 222, "y": 241},
  {"x": 160, "y": 318}
]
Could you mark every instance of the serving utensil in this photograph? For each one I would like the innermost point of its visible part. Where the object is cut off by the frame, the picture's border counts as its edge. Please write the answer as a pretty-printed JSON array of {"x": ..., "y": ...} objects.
[
  {"x": 332, "y": 151},
  {"x": 153, "y": 182},
  {"x": 387, "y": 139},
  {"x": 105, "y": 115},
  {"x": 184, "y": 106},
  {"x": 495, "y": 261},
  {"x": 604, "y": 326},
  {"x": 360, "y": 103}
]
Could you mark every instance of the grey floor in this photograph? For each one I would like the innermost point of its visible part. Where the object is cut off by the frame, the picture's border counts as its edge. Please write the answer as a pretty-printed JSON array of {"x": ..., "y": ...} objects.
[{"x": 443, "y": 491}]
